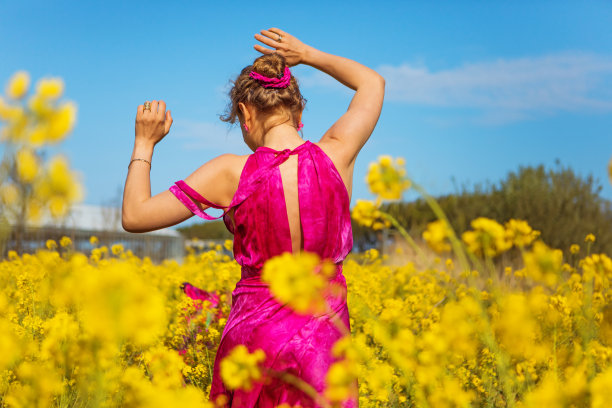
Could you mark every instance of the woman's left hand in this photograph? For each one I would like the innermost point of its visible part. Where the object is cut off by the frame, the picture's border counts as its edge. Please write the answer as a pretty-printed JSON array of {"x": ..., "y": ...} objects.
[
  {"x": 283, "y": 43},
  {"x": 152, "y": 125}
]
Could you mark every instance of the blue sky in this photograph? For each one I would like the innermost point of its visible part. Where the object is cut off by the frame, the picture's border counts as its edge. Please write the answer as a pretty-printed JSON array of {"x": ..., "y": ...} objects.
[{"x": 474, "y": 89}]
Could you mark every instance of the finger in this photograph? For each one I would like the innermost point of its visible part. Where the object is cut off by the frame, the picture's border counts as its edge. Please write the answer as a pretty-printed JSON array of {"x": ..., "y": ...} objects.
[
  {"x": 263, "y": 50},
  {"x": 278, "y": 31},
  {"x": 271, "y": 34},
  {"x": 161, "y": 109},
  {"x": 139, "y": 110},
  {"x": 169, "y": 121},
  {"x": 154, "y": 107},
  {"x": 146, "y": 110},
  {"x": 267, "y": 41}
]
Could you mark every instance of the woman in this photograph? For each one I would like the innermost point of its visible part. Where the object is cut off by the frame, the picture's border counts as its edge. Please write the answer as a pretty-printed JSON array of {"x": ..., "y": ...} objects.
[{"x": 290, "y": 195}]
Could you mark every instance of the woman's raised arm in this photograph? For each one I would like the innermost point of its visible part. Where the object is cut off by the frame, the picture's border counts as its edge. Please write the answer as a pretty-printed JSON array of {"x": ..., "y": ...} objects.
[
  {"x": 215, "y": 179},
  {"x": 352, "y": 130}
]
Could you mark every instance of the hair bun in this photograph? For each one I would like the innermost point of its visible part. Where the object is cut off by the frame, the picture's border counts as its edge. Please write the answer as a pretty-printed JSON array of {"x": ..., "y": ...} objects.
[
  {"x": 273, "y": 93},
  {"x": 270, "y": 65}
]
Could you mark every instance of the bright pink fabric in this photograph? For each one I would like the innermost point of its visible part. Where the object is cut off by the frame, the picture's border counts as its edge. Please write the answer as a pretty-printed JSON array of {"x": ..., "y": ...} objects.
[
  {"x": 267, "y": 82},
  {"x": 296, "y": 343}
]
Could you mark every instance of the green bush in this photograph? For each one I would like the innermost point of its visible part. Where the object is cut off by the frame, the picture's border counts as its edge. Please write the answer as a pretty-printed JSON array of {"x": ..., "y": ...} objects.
[
  {"x": 557, "y": 202},
  {"x": 206, "y": 230}
]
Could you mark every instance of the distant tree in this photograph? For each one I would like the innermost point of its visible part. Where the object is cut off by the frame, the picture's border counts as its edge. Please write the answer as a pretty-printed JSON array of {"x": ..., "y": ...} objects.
[
  {"x": 206, "y": 230},
  {"x": 559, "y": 203},
  {"x": 29, "y": 185}
]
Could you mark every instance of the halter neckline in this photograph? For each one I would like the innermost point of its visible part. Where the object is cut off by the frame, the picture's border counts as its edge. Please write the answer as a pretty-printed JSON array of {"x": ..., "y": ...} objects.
[{"x": 271, "y": 150}]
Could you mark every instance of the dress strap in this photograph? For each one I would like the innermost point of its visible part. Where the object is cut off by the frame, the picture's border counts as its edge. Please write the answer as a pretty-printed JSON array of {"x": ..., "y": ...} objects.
[{"x": 183, "y": 192}]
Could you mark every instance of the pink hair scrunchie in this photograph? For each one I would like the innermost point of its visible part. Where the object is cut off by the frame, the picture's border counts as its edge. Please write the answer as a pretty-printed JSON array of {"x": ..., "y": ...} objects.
[{"x": 273, "y": 82}]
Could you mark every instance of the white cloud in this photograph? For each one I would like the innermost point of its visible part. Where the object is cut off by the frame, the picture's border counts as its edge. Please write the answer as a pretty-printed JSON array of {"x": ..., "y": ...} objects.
[
  {"x": 504, "y": 90},
  {"x": 557, "y": 82}
]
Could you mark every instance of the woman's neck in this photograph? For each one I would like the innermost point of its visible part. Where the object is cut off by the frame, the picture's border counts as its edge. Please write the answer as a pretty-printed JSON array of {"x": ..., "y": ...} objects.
[{"x": 282, "y": 136}]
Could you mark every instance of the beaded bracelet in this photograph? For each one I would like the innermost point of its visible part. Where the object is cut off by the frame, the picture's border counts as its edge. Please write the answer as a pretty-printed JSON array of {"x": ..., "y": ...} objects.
[{"x": 133, "y": 160}]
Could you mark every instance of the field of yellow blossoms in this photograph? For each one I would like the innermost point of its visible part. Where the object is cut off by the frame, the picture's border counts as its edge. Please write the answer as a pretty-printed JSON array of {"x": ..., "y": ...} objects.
[
  {"x": 109, "y": 329},
  {"x": 490, "y": 318}
]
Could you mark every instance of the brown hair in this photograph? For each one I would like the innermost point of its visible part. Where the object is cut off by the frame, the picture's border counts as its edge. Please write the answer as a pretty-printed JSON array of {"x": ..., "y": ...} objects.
[{"x": 266, "y": 100}]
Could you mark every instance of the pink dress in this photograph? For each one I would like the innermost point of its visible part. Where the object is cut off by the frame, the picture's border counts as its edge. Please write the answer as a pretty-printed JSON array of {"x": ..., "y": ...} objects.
[{"x": 299, "y": 344}]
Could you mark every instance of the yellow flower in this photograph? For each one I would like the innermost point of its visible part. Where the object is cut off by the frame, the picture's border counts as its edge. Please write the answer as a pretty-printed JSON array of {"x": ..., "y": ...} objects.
[
  {"x": 386, "y": 179},
  {"x": 117, "y": 302},
  {"x": 372, "y": 254},
  {"x": 228, "y": 244},
  {"x": 342, "y": 374},
  {"x": 600, "y": 389},
  {"x": 62, "y": 122},
  {"x": 596, "y": 267},
  {"x": 37, "y": 135},
  {"x": 27, "y": 165},
  {"x": 239, "y": 369},
  {"x": 294, "y": 279},
  {"x": 51, "y": 244},
  {"x": 520, "y": 233},
  {"x": 65, "y": 242},
  {"x": 339, "y": 379},
  {"x": 10, "y": 342},
  {"x": 18, "y": 85},
  {"x": 117, "y": 249},
  {"x": 93, "y": 240},
  {"x": 35, "y": 210},
  {"x": 548, "y": 393},
  {"x": 59, "y": 181},
  {"x": 366, "y": 213},
  {"x": 574, "y": 249},
  {"x": 9, "y": 194},
  {"x": 58, "y": 206},
  {"x": 487, "y": 239},
  {"x": 165, "y": 366},
  {"x": 50, "y": 88},
  {"x": 437, "y": 236},
  {"x": 543, "y": 264},
  {"x": 589, "y": 238}
]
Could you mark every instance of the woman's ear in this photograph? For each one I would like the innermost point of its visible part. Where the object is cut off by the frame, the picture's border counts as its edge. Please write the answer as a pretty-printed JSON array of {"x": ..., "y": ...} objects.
[{"x": 246, "y": 115}]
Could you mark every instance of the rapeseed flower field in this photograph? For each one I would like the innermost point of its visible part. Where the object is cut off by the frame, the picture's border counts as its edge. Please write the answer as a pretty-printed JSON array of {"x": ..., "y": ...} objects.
[
  {"x": 452, "y": 326},
  {"x": 110, "y": 329}
]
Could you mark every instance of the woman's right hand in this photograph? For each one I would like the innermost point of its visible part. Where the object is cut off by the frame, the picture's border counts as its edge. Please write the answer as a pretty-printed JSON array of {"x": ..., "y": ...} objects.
[
  {"x": 289, "y": 47},
  {"x": 153, "y": 124}
]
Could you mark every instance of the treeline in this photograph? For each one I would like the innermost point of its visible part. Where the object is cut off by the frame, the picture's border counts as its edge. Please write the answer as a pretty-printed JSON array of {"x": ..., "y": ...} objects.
[
  {"x": 206, "y": 230},
  {"x": 557, "y": 202}
]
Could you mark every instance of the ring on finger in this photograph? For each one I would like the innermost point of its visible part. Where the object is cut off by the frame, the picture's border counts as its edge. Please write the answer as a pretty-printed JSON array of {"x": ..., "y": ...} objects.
[
  {"x": 280, "y": 37},
  {"x": 147, "y": 106}
]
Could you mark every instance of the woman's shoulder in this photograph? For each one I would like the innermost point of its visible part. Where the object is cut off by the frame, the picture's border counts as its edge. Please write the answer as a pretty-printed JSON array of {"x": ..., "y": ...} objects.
[
  {"x": 233, "y": 164},
  {"x": 334, "y": 153},
  {"x": 343, "y": 167},
  {"x": 218, "y": 179}
]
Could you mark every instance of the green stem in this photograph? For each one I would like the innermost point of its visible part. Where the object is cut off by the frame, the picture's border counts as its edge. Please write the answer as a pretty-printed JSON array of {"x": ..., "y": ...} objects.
[
  {"x": 439, "y": 213},
  {"x": 406, "y": 235}
]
